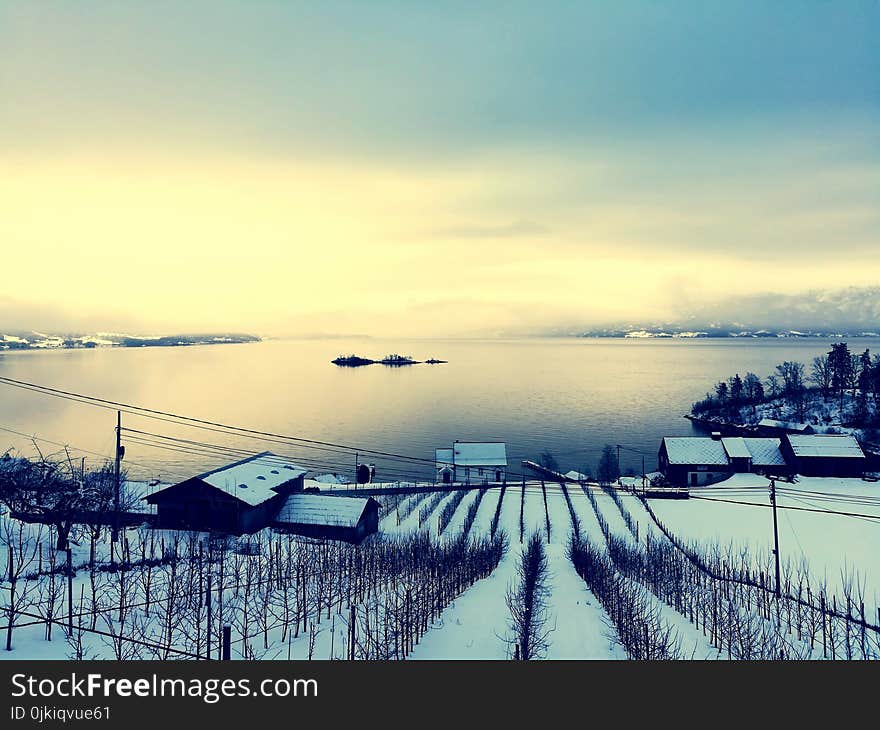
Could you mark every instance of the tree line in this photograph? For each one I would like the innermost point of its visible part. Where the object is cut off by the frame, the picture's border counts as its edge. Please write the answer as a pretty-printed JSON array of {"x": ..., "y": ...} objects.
[{"x": 840, "y": 375}]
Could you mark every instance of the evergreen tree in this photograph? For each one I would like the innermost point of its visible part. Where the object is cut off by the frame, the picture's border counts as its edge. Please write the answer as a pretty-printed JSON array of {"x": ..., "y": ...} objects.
[
  {"x": 736, "y": 388},
  {"x": 841, "y": 364},
  {"x": 608, "y": 469}
]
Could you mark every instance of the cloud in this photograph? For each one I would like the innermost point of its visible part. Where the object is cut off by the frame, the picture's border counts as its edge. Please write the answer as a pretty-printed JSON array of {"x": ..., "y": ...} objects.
[
  {"x": 431, "y": 168},
  {"x": 514, "y": 229}
]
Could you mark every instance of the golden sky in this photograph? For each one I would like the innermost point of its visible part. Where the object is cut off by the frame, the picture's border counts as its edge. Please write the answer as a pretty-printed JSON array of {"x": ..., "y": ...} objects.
[{"x": 269, "y": 169}]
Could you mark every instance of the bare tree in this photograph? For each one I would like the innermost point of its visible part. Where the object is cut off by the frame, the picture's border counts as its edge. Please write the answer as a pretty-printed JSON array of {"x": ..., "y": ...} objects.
[{"x": 527, "y": 602}]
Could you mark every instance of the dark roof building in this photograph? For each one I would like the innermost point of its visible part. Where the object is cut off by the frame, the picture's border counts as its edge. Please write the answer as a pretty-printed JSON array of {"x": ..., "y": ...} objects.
[
  {"x": 696, "y": 461},
  {"x": 264, "y": 490},
  {"x": 237, "y": 498},
  {"x": 824, "y": 455},
  {"x": 349, "y": 519}
]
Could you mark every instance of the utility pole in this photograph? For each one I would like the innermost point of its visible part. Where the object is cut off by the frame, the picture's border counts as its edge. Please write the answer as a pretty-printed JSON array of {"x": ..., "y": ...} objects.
[
  {"x": 115, "y": 533},
  {"x": 357, "y": 478},
  {"x": 775, "y": 537}
]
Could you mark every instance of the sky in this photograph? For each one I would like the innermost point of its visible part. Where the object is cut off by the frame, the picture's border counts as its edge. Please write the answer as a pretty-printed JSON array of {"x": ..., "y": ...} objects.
[{"x": 436, "y": 169}]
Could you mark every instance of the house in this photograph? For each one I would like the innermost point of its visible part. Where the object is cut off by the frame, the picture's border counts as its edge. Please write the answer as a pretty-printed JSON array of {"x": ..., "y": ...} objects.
[
  {"x": 239, "y": 498},
  {"x": 472, "y": 462},
  {"x": 696, "y": 461},
  {"x": 773, "y": 427},
  {"x": 262, "y": 491},
  {"x": 824, "y": 455},
  {"x": 349, "y": 519},
  {"x": 767, "y": 457}
]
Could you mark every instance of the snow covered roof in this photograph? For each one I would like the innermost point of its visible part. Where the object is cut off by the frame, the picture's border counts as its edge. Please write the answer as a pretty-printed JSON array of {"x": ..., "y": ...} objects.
[
  {"x": 443, "y": 456},
  {"x": 472, "y": 453},
  {"x": 736, "y": 448},
  {"x": 695, "y": 450},
  {"x": 765, "y": 452},
  {"x": 576, "y": 475},
  {"x": 785, "y": 425},
  {"x": 255, "y": 479},
  {"x": 838, "y": 446},
  {"x": 319, "y": 509},
  {"x": 332, "y": 479}
]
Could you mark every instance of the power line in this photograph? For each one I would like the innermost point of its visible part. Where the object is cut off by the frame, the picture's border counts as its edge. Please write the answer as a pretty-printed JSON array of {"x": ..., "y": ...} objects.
[
  {"x": 226, "y": 429},
  {"x": 152, "y": 412},
  {"x": 797, "y": 509}
]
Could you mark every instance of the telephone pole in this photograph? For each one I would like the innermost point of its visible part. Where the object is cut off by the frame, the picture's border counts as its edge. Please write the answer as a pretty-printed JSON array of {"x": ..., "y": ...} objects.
[
  {"x": 775, "y": 537},
  {"x": 115, "y": 532}
]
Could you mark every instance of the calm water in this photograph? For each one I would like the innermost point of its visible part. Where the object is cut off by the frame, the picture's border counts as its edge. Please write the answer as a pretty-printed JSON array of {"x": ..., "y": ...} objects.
[{"x": 568, "y": 396}]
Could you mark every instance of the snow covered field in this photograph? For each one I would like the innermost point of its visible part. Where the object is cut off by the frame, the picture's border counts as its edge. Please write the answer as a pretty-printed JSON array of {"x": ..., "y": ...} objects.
[
  {"x": 832, "y": 544},
  {"x": 473, "y": 624}
]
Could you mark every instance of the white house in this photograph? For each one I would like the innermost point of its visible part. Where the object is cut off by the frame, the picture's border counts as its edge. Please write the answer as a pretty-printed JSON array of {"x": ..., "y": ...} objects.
[{"x": 472, "y": 462}]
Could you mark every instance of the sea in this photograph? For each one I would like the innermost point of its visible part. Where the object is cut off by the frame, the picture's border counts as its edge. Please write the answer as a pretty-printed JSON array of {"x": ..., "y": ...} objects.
[{"x": 566, "y": 396}]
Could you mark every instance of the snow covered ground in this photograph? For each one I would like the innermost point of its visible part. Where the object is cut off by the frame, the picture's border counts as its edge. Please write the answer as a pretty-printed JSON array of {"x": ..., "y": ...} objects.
[
  {"x": 476, "y": 625},
  {"x": 832, "y": 544}
]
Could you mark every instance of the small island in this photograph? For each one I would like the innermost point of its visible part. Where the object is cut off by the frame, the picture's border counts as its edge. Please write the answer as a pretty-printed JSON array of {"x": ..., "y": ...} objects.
[
  {"x": 393, "y": 360},
  {"x": 352, "y": 361}
]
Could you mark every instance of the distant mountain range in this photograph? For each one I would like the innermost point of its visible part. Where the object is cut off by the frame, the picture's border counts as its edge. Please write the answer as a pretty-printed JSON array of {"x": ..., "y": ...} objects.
[
  {"x": 31, "y": 340},
  {"x": 850, "y": 312},
  {"x": 677, "y": 332}
]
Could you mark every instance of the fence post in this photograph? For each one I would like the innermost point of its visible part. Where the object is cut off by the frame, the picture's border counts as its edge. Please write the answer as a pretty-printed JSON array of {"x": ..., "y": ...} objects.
[
  {"x": 227, "y": 642},
  {"x": 70, "y": 590}
]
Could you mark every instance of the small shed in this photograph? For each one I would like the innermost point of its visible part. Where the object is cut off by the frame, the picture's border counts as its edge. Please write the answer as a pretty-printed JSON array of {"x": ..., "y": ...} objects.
[
  {"x": 238, "y": 498},
  {"x": 775, "y": 427},
  {"x": 825, "y": 455},
  {"x": 349, "y": 519}
]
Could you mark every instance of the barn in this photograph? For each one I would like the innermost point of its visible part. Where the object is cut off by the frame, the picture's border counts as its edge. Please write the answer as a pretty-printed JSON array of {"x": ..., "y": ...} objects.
[
  {"x": 697, "y": 461},
  {"x": 824, "y": 455},
  {"x": 239, "y": 498},
  {"x": 349, "y": 519},
  {"x": 259, "y": 492}
]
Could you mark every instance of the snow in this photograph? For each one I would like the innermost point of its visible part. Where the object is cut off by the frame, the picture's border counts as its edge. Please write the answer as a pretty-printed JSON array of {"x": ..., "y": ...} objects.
[
  {"x": 692, "y": 641},
  {"x": 443, "y": 456},
  {"x": 695, "y": 450},
  {"x": 468, "y": 453},
  {"x": 765, "y": 451},
  {"x": 331, "y": 479},
  {"x": 253, "y": 480},
  {"x": 318, "y": 509},
  {"x": 476, "y": 624},
  {"x": 579, "y": 627},
  {"x": 784, "y": 425},
  {"x": 831, "y": 544},
  {"x": 841, "y": 446},
  {"x": 736, "y": 448}
]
